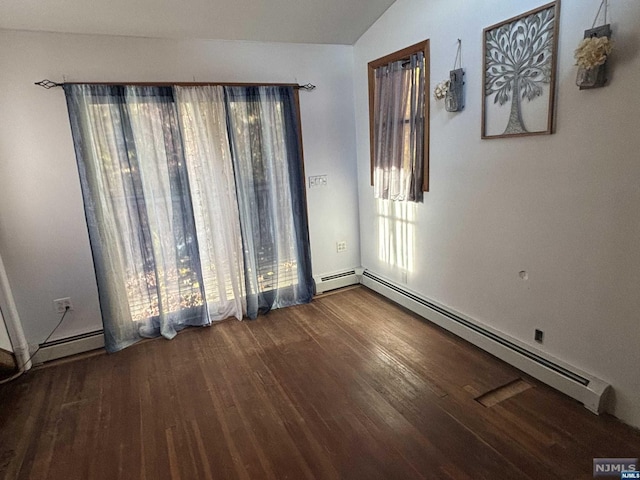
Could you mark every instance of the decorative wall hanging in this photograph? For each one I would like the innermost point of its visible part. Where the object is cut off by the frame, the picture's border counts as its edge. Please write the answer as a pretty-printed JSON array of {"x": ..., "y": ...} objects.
[
  {"x": 454, "y": 98},
  {"x": 440, "y": 92},
  {"x": 451, "y": 91},
  {"x": 519, "y": 74},
  {"x": 592, "y": 53}
]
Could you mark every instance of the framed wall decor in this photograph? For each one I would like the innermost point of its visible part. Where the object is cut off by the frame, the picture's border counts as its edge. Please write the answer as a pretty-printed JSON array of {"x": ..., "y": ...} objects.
[{"x": 520, "y": 74}]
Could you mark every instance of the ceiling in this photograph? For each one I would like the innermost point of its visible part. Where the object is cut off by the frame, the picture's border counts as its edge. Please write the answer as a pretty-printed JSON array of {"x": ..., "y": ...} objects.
[{"x": 297, "y": 21}]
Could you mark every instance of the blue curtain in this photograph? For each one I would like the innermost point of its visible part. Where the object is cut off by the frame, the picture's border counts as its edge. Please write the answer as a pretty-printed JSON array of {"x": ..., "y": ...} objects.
[
  {"x": 138, "y": 211},
  {"x": 135, "y": 149},
  {"x": 265, "y": 146}
]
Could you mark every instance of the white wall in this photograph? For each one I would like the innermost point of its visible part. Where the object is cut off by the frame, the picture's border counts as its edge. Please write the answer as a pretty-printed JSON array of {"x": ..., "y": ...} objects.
[
  {"x": 43, "y": 235},
  {"x": 564, "y": 207}
]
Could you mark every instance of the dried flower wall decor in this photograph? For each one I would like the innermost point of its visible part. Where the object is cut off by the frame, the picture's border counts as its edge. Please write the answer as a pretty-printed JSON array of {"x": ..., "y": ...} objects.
[
  {"x": 519, "y": 74},
  {"x": 592, "y": 53},
  {"x": 441, "y": 90}
]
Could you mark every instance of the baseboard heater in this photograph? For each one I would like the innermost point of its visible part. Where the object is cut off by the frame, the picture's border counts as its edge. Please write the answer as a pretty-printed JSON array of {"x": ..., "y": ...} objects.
[
  {"x": 93, "y": 340},
  {"x": 69, "y": 346},
  {"x": 585, "y": 388},
  {"x": 336, "y": 280}
]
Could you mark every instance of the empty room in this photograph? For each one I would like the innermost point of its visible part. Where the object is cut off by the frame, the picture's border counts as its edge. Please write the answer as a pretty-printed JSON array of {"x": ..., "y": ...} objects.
[{"x": 350, "y": 239}]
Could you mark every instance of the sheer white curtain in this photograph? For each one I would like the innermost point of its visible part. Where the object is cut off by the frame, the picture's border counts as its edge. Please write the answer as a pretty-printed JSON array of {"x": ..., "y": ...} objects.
[
  {"x": 399, "y": 129},
  {"x": 164, "y": 183},
  {"x": 206, "y": 148}
]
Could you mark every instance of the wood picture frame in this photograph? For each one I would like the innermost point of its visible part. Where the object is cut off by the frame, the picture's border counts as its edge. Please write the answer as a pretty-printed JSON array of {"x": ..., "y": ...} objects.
[{"x": 519, "y": 74}]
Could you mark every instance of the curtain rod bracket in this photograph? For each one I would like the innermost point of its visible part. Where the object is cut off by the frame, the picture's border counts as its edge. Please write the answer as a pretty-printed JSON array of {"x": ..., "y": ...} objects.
[
  {"x": 48, "y": 84},
  {"x": 308, "y": 87}
]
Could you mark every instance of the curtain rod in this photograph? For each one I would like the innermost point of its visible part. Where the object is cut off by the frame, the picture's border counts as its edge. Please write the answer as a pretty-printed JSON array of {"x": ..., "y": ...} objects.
[{"x": 50, "y": 84}]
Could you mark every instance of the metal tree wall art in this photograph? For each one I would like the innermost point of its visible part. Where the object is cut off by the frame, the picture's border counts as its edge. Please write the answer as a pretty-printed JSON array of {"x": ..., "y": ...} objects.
[{"x": 519, "y": 74}]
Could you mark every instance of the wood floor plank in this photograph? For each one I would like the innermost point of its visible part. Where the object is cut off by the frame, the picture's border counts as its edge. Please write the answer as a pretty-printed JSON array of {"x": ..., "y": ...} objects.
[
  {"x": 328, "y": 407},
  {"x": 422, "y": 414},
  {"x": 432, "y": 352},
  {"x": 389, "y": 410},
  {"x": 350, "y": 386}
]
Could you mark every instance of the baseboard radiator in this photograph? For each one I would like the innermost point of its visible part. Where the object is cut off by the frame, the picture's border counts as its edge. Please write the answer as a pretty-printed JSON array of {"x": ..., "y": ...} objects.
[
  {"x": 66, "y": 347},
  {"x": 332, "y": 281},
  {"x": 90, "y": 341},
  {"x": 590, "y": 391},
  {"x": 587, "y": 389}
]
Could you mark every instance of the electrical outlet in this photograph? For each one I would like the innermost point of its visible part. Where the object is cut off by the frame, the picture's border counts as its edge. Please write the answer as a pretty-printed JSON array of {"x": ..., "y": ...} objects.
[
  {"x": 538, "y": 336},
  {"x": 61, "y": 304},
  {"x": 341, "y": 246}
]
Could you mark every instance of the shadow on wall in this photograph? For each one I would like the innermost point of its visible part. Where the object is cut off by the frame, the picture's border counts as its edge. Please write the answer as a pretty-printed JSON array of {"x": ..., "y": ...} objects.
[{"x": 396, "y": 233}]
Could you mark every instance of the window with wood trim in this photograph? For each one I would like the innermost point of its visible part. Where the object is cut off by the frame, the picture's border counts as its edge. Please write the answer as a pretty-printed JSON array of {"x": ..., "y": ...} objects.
[{"x": 399, "y": 123}]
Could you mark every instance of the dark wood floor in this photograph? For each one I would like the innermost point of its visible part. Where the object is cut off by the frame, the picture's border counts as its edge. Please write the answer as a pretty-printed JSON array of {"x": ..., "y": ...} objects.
[{"x": 349, "y": 386}]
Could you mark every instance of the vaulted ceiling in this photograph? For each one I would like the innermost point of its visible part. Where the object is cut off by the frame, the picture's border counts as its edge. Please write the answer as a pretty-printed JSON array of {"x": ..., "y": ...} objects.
[{"x": 297, "y": 21}]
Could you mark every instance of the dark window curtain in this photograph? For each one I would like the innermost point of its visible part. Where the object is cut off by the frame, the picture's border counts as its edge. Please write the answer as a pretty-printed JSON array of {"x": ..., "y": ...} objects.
[
  {"x": 138, "y": 210},
  {"x": 399, "y": 129},
  {"x": 266, "y": 151}
]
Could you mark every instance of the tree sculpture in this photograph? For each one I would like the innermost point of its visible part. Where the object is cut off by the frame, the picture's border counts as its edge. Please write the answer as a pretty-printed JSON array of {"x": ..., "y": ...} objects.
[{"x": 518, "y": 63}]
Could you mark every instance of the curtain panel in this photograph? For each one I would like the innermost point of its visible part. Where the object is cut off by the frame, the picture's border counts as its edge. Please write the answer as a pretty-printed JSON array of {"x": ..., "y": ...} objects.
[
  {"x": 265, "y": 144},
  {"x": 398, "y": 164},
  {"x": 194, "y": 203}
]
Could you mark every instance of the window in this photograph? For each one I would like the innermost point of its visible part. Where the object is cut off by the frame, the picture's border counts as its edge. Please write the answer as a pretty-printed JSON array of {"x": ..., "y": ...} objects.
[{"x": 399, "y": 123}]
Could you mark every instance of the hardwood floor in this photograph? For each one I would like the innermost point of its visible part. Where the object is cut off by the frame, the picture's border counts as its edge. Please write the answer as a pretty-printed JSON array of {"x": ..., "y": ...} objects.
[{"x": 350, "y": 386}]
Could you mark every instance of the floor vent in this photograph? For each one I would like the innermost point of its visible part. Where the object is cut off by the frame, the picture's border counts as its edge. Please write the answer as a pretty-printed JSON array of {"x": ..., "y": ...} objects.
[{"x": 503, "y": 393}]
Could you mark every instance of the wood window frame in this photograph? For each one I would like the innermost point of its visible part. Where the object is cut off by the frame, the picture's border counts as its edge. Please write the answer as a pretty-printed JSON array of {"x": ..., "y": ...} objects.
[{"x": 403, "y": 54}]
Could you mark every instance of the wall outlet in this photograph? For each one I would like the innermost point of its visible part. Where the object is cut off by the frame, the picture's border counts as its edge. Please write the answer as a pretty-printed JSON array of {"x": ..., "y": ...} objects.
[
  {"x": 538, "y": 336},
  {"x": 341, "y": 246},
  {"x": 61, "y": 304}
]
